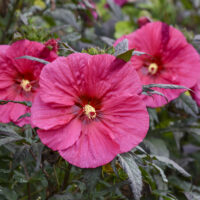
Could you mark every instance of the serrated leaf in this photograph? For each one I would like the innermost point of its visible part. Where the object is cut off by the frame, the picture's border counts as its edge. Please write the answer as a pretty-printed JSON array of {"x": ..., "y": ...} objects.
[
  {"x": 33, "y": 59},
  {"x": 66, "y": 16},
  {"x": 122, "y": 51},
  {"x": 26, "y": 103},
  {"x": 107, "y": 40},
  {"x": 91, "y": 177},
  {"x": 166, "y": 86},
  {"x": 164, "y": 178},
  {"x": 150, "y": 92},
  {"x": 170, "y": 163},
  {"x": 126, "y": 56},
  {"x": 8, "y": 130},
  {"x": 153, "y": 114},
  {"x": 8, "y": 194},
  {"x": 7, "y": 140},
  {"x": 115, "y": 8},
  {"x": 133, "y": 172},
  {"x": 121, "y": 47},
  {"x": 192, "y": 195},
  {"x": 187, "y": 104},
  {"x": 138, "y": 53},
  {"x": 25, "y": 115},
  {"x": 156, "y": 146}
]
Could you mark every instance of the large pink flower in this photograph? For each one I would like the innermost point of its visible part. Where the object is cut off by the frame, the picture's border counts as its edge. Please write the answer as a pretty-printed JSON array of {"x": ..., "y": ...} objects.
[
  {"x": 88, "y": 108},
  {"x": 170, "y": 59},
  {"x": 19, "y": 77}
]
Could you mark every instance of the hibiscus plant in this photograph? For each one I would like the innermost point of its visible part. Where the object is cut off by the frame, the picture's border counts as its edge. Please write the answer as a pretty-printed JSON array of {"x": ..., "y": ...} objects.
[{"x": 99, "y": 100}]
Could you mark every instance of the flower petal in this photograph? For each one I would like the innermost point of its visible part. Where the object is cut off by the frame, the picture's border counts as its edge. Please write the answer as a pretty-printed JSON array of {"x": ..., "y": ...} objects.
[
  {"x": 63, "y": 137},
  {"x": 61, "y": 79},
  {"x": 94, "y": 148},
  {"x": 46, "y": 117},
  {"x": 128, "y": 120}
]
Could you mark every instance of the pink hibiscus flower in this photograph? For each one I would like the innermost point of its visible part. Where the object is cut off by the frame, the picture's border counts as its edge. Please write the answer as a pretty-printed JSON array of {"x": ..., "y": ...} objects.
[
  {"x": 169, "y": 60},
  {"x": 88, "y": 108},
  {"x": 19, "y": 77}
]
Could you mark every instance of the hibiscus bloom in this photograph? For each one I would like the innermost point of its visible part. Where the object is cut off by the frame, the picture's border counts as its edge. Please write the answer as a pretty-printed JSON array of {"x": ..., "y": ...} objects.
[
  {"x": 88, "y": 108},
  {"x": 19, "y": 77},
  {"x": 169, "y": 59}
]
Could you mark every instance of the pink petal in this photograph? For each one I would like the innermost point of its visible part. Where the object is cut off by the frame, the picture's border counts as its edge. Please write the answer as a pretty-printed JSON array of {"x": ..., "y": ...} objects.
[
  {"x": 3, "y": 49},
  {"x": 61, "y": 79},
  {"x": 46, "y": 117},
  {"x": 94, "y": 148},
  {"x": 98, "y": 76},
  {"x": 128, "y": 120},
  {"x": 22, "y": 48},
  {"x": 63, "y": 137}
]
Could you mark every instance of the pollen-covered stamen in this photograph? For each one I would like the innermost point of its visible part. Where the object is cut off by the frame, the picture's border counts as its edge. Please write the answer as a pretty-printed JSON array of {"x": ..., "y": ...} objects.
[
  {"x": 153, "y": 68},
  {"x": 89, "y": 111},
  {"x": 26, "y": 85}
]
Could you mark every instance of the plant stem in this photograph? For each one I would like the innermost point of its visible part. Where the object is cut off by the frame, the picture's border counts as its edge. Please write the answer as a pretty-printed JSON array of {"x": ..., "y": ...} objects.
[
  {"x": 66, "y": 177},
  {"x": 41, "y": 166},
  {"x": 28, "y": 184}
]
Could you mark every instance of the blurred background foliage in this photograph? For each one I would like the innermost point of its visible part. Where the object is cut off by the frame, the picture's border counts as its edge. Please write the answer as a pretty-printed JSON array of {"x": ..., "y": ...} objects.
[{"x": 166, "y": 164}]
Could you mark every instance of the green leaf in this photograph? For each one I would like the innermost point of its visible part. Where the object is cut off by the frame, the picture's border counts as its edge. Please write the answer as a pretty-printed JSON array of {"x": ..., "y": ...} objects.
[
  {"x": 150, "y": 92},
  {"x": 187, "y": 104},
  {"x": 165, "y": 86},
  {"x": 91, "y": 177},
  {"x": 107, "y": 40},
  {"x": 115, "y": 8},
  {"x": 122, "y": 51},
  {"x": 121, "y": 47},
  {"x": 33, "y": 59},
  {"x": 192, "y": 195},
  {"x": 8, "y": 194},
  {"x": 25, "y": 115},
  {"x": 126, "y": 56},
  {"x": 123, "y": 28},
  {"x": 9, "y": 130},
  {"x": 7, "y": 140},
  {"x": 170, "y": 163},
  {"x": 26, "y": 103},
  {"x": 153, "y": 116},
  {"x": 133, "y": 172},
  {"x": 164, "y": 178},
  {"x": 156, "y": 146},
  {"x": 138, "y": 53}
]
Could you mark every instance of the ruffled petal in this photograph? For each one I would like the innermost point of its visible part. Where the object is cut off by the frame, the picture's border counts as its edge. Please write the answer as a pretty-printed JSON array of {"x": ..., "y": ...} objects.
[
  {"x": 61, "y": 81},
  {"x": 128, "y": 120},
  {"x": 63, "y": 137},
  {"x": 46, "y": 117},
  {"x": 94, "y": 148}
]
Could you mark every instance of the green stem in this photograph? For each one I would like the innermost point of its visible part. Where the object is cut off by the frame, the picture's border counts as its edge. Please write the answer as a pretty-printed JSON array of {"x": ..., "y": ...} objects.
[{"x": 66, "y": 177}]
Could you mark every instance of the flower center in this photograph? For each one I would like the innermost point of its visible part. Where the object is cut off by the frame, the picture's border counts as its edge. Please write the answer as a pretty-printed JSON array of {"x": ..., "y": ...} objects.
[
  {"x": 89, "y": 111},
  {"x": 26, "y": 85},
  {"x": 153, "y": 68}
]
